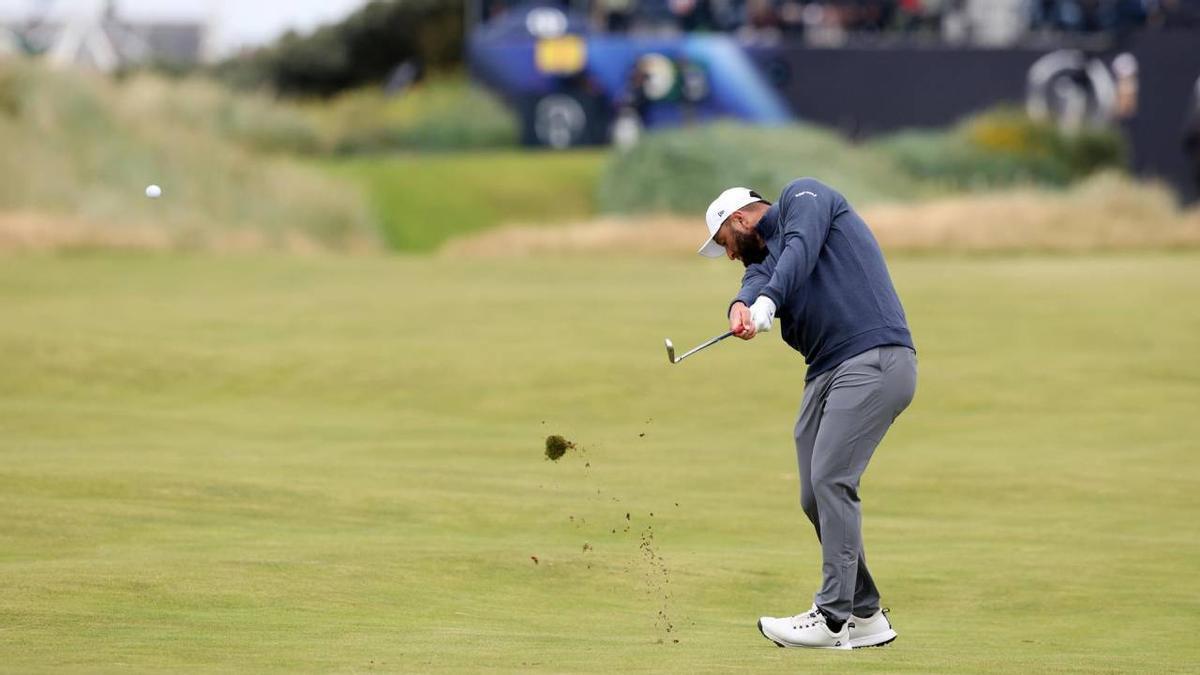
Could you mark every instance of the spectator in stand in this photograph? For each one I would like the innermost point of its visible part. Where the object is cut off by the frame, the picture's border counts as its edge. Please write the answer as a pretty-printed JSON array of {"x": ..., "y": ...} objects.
[
  {"x": 692, "y": 15},
  {"x": 494, "y": 9},
  {"x": 1089, "y": 16},
  {"x": 791, "y": 18},
  {"x": 909, "y": 15},
  {"x": 654, "y": 15},
  {"x": 1176, "y": 14},
  {"x": 932, "y": 12},
  {"x": 615, "y": 16},
  {"x": 875, "y": 15},
  {"x": 1129, "y": 13},
  {"x": 727, "y": 14},
  {"x": 826, "y": 22},
  {"x": 761, "y": 22}
]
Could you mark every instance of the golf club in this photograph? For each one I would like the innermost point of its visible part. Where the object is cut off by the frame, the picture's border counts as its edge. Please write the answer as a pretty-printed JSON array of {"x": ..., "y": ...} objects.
[{"x": 671, "y": 347}]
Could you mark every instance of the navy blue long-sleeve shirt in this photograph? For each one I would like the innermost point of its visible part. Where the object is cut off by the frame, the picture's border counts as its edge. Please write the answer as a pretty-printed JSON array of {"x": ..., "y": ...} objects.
[{"x": 825, "y": 272}]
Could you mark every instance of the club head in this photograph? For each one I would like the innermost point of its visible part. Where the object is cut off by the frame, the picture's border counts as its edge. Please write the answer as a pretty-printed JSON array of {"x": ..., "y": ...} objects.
[{"x": 670, "y": 351}]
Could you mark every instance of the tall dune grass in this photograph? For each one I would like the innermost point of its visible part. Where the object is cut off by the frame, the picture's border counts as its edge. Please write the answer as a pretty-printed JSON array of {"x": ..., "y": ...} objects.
[{"x": 80, "y": 149}]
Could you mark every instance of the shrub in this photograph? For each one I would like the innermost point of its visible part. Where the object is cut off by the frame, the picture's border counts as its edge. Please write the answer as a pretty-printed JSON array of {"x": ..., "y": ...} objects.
[
  {"x": 681, "y": 170},
  {"x": 1003, "y": 147},
  {"x": 440, "y": 114}
]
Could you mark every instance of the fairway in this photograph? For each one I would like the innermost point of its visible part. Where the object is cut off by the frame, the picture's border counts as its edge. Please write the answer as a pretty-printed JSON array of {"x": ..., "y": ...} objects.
[{"x": 280, "y": 464}]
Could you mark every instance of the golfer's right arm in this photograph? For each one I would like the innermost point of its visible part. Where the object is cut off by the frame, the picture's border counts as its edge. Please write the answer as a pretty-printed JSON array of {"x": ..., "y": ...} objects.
[{"x": 753, "y": 280}]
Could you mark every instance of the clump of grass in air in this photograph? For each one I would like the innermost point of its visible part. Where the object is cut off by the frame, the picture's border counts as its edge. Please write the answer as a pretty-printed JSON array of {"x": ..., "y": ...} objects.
[{"x": 557, "y": 446}]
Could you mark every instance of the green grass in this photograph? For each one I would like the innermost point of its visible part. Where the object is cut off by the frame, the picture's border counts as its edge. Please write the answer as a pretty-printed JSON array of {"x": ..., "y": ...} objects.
[
  {"x": 269, "y": 464},
  {"x": 420, "y": 201}
]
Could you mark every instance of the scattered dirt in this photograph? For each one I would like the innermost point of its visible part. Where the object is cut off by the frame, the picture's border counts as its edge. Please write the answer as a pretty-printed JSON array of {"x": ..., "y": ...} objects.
[
  {"x": 657, "y": 577},
  {"x": 653, "y": 570},
  {"x": 557, "y": 446}
]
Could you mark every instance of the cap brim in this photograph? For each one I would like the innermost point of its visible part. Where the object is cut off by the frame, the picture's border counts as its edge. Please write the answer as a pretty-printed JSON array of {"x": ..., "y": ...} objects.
[{"x": 711, "y": 249}]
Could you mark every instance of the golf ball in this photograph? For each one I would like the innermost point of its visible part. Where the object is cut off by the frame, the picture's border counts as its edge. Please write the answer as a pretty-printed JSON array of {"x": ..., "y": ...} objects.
[{"x": 153, "y": 191}]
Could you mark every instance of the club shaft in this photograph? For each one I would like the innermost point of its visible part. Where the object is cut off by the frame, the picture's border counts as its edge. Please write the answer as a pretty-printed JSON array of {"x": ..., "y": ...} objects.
[{"x": 704, "y": 346}]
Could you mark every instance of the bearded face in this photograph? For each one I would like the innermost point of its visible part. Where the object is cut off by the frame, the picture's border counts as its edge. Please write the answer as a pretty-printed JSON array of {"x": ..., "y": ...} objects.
[{"x": 748, "y": 247}]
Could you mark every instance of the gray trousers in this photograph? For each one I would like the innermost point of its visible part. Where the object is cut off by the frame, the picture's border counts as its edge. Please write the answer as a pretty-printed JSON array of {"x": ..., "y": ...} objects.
[{"x": 845, "y": 413}]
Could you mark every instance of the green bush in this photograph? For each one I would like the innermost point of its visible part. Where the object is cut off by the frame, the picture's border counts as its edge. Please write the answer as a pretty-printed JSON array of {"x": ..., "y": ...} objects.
[
  {"x": 681, "y": 170},
  {"x": 1003, "y": 147},
  {"x": 446, "y": 113}
]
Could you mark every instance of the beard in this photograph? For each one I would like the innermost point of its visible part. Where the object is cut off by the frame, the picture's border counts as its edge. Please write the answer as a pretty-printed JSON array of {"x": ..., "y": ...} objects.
[{"x": 750, "y": 247}]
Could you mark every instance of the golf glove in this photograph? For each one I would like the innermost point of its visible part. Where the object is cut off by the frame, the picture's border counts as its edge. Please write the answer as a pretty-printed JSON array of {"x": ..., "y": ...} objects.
[{"x": 762, "y": 314}]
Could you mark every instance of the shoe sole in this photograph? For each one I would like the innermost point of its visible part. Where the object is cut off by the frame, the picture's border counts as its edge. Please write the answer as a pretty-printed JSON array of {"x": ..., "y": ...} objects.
[
  {"x": 783, "y": 646},
  {"x": 888, "y": 639}
]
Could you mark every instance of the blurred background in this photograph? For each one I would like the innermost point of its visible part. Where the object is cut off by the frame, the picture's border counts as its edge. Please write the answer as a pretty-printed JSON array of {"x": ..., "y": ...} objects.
[
  {"x": 365, "y": 113},
  {"x": 289, "y": 414}
]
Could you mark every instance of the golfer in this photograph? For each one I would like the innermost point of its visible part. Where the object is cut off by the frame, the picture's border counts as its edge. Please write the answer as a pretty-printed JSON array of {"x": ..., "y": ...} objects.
[{"x": 812, "y": 263}]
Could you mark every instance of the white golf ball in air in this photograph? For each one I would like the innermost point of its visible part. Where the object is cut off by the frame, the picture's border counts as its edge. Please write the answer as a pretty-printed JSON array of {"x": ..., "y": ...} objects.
[{"x": 153, "y": 191}]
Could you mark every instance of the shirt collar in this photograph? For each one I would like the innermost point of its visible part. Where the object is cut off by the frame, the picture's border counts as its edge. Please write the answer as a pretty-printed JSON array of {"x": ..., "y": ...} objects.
[{"x": 769, "y": 223}]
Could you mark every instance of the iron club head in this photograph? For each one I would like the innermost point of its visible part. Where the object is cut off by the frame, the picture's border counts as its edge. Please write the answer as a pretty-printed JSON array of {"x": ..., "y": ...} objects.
[{"x": 670, "y": 351}]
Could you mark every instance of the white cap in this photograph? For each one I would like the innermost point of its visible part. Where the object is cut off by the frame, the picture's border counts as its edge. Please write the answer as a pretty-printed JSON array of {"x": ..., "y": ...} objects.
[{"x": 726, "y": 203}]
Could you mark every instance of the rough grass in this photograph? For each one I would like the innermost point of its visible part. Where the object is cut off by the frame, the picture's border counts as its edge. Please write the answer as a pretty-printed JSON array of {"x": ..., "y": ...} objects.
[
  {"x": 252, "y": 465},
  {"x": 79, "y": 151},
  {"x": 1104, "y": 213},
  {"x": 240, "y": 172}
]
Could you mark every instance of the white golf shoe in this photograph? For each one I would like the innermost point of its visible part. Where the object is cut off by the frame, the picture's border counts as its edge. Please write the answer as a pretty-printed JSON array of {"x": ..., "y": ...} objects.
[
  {"x": 804, "y": 630},
  {"x": 873, "y": 631}
]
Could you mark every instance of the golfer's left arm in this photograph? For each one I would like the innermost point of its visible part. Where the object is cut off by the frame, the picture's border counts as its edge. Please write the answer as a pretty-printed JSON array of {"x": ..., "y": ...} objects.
[{"x": 805, "y": 214}]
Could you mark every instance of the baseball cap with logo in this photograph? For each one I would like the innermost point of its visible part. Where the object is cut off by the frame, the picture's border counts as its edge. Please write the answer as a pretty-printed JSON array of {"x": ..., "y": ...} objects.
[{"x": 726, "y": 203}]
